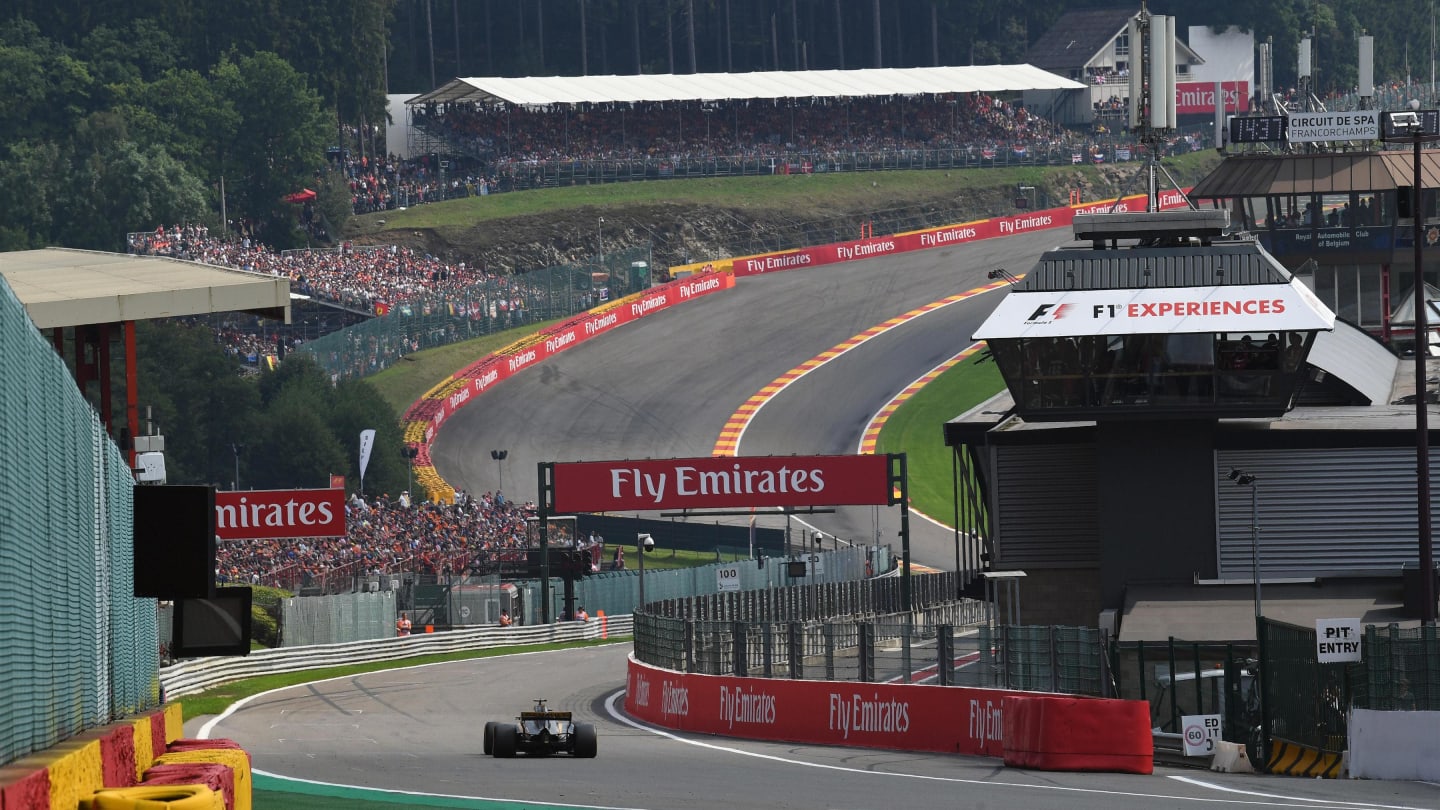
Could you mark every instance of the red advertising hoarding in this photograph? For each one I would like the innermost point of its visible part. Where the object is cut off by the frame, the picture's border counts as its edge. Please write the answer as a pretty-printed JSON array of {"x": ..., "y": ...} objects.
[
  {"x": 1195, "y": 98},
  {"x": 495, "y": 368},
  {"x": 902, "y": 717},
  {"x": 707, "y": 483},
  {"x": 947, "y": 236},
  {"x": 275, "y": 513}
]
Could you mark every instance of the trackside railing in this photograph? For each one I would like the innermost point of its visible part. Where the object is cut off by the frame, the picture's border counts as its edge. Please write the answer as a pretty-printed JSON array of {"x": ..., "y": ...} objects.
[{"x": 197, "y": 675}]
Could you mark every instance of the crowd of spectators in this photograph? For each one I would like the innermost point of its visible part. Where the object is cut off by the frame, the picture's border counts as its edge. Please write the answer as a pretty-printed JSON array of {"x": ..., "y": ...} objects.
[
  {"x": 376, "y": 280},
  {"x": 504, "y": 147},
  {"x": 503, "y": 135},
  {"x": 384, "y": 183},
  {"x": 363, "y": 279},
  {"x": 369, "y": 279},
  {"x": 383, "y": 535}
]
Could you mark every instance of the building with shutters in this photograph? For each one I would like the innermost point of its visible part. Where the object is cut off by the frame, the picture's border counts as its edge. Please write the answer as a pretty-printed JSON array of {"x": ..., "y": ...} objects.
[{"x": 1143, "y": 365}]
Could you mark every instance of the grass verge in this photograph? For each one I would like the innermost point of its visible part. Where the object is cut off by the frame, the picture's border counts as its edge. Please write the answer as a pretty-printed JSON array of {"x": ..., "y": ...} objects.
[
  {"x": 793, "y": 196},
  {"x": 917, "y": 430},
  {"x": 407, "y": 380},
  {"x": 215, "y": 701},
  {"x": 662, "y": 559}
]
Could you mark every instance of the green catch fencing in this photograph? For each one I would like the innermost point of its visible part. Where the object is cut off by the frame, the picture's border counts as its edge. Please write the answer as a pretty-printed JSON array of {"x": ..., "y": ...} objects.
[
  {"x": 498, "y": 304},
  {"x": 1399, "y": 670},
  {"x": 859, "y": 630},
  {"x": 618, "y": 592},
  {"x": 1046, "y": 658},
  {"x": 337, "y": 618},
  {"x": 80, "y": 650},
  {"x": 1303, "y": 701}
]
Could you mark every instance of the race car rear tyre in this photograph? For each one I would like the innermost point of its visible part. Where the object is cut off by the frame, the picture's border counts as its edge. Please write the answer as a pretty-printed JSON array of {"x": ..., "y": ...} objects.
[
  {"x": 586, "y": 741},
  {"x": 489, "y": 737},
  {"x": 504, "y": 742}
]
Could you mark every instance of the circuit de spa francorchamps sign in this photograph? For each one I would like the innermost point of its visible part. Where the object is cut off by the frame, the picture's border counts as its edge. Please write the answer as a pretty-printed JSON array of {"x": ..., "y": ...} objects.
[{"x": 733, "y": 481}]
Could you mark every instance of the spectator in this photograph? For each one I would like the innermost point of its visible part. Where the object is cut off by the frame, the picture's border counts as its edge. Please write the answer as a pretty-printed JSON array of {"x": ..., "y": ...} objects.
[{"x": 382, "y": 537}]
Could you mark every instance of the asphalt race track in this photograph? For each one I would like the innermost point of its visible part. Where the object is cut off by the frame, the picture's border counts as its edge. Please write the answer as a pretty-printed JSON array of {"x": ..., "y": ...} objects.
[
  {"x": 664, "y": 387},
  {"x": 417, "y": 731}
]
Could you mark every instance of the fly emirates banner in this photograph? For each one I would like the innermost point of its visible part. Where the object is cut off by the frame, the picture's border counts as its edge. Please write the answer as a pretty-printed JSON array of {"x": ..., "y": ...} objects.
[{"x": 733, "y": 481}]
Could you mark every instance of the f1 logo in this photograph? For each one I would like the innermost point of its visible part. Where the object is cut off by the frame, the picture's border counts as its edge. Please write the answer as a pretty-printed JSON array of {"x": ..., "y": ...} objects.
[{"x": 1055, "y": 311}]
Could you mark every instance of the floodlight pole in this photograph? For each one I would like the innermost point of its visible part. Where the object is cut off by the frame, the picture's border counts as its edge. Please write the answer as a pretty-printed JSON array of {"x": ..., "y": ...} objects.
[
  {"x": 1413, "y": 123},
  {"x": 1255, "y": 542},
  {"x": 1422, "y": 427}
]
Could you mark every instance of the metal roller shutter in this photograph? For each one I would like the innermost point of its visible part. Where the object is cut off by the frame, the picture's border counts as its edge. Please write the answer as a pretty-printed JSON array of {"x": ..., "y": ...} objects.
[
  {"x": 1046, "y": 510},
  {"x": 1322, "y": 512}
]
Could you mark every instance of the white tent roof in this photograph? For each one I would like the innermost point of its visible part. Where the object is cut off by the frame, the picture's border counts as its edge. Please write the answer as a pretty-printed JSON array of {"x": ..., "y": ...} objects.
[
  {"x": 1404, "y": 313},
  {"x": 545, "y": 90}
]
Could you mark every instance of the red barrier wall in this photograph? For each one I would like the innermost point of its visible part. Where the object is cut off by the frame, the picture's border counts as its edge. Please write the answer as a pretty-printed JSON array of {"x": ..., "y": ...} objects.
[
  {"x": 1064, "y": 733},
  {"x": 939, "y": 237},
  {"x": 497, "y": 367},
  {"x": 900, "y": 717}
]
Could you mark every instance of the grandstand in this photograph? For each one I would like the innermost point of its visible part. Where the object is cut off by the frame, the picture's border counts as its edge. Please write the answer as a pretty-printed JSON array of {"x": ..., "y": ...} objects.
[{"x": 527, "y": 131}]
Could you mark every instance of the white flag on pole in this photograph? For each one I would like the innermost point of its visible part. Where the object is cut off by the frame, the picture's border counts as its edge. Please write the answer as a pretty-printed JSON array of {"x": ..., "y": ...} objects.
[{"x": 367, "y": 441}]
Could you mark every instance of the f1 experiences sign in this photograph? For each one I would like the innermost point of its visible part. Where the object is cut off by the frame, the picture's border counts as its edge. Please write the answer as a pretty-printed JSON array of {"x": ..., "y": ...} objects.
[
  {"x": 1158, "y": 310},
  {"x": 691, "y": 483},
  {"x": 276, "y": 513}
]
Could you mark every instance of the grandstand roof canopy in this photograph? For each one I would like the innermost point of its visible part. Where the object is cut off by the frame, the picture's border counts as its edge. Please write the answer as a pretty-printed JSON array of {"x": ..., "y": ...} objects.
[
  {"x": 546, "y": 90},
  {"x": 63, "y": 287}
]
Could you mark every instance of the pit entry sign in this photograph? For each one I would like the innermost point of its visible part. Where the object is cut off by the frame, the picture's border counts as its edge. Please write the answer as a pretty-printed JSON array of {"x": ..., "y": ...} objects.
[{"x": 1337, "y": 640}]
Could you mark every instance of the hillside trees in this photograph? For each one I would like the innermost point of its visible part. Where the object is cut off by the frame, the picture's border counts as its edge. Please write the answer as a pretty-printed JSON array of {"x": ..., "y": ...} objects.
[
  {"x": 294, "y": 429},
  {"x": 102, "y": 137}
]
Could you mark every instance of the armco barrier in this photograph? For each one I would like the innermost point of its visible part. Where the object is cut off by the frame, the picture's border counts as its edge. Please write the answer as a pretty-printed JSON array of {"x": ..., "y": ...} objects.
[
  {"x": 197, "y": 675},
  {"x": 1065, "y": 733},
  {"x": 941, "y": 719}
]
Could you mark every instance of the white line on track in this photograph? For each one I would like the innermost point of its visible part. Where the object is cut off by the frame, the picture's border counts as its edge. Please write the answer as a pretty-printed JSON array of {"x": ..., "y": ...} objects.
[
  {"x": 209, "y": 726},
  {"x": 860, "y": 448},
  {"x": 1277, "y": 801},
  {"x": 1314, "y": 802}
]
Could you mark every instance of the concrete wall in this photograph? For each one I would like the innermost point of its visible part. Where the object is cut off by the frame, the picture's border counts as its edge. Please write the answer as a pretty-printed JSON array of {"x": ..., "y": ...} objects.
[
  {"x": 1155, "y": 489},
  {"x": 1394, "y": 745}
]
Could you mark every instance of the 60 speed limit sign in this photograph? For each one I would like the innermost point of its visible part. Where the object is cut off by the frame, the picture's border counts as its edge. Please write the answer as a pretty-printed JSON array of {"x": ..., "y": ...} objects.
[{"x": 1199, "y": 733}]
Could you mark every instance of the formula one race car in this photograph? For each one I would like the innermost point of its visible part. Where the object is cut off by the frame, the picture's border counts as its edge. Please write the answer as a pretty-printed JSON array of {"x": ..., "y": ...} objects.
[{"x": 540, "y": 732}]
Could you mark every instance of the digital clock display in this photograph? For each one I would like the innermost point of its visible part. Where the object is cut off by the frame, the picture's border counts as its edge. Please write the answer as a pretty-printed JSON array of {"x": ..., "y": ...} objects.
[{"x": 1257, "y": 128}]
